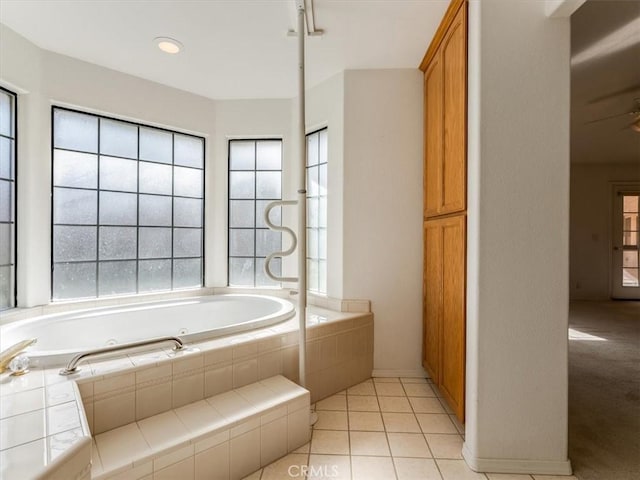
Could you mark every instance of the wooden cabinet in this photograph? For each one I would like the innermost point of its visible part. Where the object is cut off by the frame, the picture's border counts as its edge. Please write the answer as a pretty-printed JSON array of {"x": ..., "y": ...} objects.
[
  {"x": 445, "y": 177},
  {"x": 444, "y": 306},
  {"x": 445, "y": 122},
  {"x": 433, "y": 135}
]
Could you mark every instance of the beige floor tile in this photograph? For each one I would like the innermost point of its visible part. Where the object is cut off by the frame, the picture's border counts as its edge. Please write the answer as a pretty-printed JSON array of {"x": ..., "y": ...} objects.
[
  {"x": 445, "y": 446},
  {"x": 366, "y": 422},
  {"x": 509, "y": 476},
  {"x": 394, "y": 404},
  {"x": 331, "y": 420},
  {"x": 458, "y": 425},
  {"x": 331, "y": 442},
  {"x": 390, "y": 389},
  {"x": 372, "y": 468},
  {"x": 458, "y": 470},
  {"x": 400, "y": 422},
  {"x": 303, "y": 449},
  {"x": 361, "y": 403},
  {"x": 408, "y": 445},
  {"x": 446, "y": 406},
  {"x": 419, "y": 390},
  {"x": 436, "y": 423},
  {"x": 377, "y": 380},
  {"x": 254, "y": 475},
  {"x": 335, "y": 402},
  {"x": 555, "y": 477},
  {"x": 364, "y": 388},
  {"x": 426, "y": 405},
  {"x": 369, "y": 443},
  {"x": 413, "y": 380},
  {"x": 416, "y": 469},
  {"x": 290, "y": 466},
  {"x": 330, "y": 467}
]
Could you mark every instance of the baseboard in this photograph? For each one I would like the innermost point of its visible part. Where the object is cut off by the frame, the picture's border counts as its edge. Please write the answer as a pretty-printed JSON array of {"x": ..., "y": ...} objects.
[
  {"x": 400, "y": 373},
  {"x": 499, "y": 465}
]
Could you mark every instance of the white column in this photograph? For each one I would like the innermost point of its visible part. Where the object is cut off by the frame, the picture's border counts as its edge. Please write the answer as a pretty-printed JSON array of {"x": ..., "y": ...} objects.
[{"x": 518, "y": 236}]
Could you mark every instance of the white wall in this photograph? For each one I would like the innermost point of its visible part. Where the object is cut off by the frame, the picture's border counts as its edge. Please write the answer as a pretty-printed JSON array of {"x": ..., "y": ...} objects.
[
  {"x": 562, "y": 8},
  {"x": 325, "y": 108},
  {"x": 518, "y": 238},
  {"x": 21, "y": 71},
  {"x": 44, "y": 78},
  {"x": 591, "y": 226},
  {"x": 374, "y": 120},
  {"x": 383, "y": 209},
  {"x": 240, "y": 119}
]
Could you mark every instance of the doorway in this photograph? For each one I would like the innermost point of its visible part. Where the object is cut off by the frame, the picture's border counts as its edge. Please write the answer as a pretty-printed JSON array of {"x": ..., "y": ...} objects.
[
  {"x": 625, "y": 252},
  {"x": 604, "y": 373}
]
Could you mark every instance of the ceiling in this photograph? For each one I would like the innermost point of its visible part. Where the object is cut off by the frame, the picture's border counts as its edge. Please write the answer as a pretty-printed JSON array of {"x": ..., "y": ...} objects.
[
  {"x": 605, "y": 81},
  {"x": 240, "y": 49},
  {"x": 232, "y": 48}
]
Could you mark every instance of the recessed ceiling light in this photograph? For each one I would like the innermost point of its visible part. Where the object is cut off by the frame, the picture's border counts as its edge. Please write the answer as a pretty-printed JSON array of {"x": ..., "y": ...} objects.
[{"x": 168, "y": 45}]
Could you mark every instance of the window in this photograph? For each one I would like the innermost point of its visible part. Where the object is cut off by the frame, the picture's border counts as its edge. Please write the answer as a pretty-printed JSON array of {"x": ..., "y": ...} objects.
[
  {"x": 630, "y": 247},
  {"x": 317, "y": 144},
  {"x": 7, "y": 199},
  {"x": 255, "y": 180},
  {"x": 128, "y": 204}
]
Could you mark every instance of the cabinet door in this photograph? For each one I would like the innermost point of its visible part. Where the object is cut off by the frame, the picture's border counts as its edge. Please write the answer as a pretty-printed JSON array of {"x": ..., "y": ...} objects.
[
  {"x": 432, "y": 298},
  {"x": 433, "y": 138},
  {"x": 452, "y": 370},
  {"x": 453, "y": 59},
  {"x": 444, "y": 307}
]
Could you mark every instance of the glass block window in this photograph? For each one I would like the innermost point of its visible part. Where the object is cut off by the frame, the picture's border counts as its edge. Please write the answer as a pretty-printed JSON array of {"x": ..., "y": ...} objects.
[
  {"x": 317, "y": 144},
  {"x": 128, "y": 204},
  {"x": 255, "y": 180},
  {"x": 7, "y": 199}
]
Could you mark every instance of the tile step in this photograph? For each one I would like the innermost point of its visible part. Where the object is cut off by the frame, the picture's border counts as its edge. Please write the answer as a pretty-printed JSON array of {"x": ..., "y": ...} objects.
[{"x": 232, "y": 434}]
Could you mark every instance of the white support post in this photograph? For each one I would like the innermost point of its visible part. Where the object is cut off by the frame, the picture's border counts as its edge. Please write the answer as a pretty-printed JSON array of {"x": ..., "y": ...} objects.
[{"x": 302, "y": 199}]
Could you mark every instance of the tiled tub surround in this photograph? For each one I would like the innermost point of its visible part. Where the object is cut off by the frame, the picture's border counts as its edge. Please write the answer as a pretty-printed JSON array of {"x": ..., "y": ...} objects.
[
  {"x": 132, "y": 388},
  {"x": 123, "y": 390},
  {"x": 43, "y": 430}
]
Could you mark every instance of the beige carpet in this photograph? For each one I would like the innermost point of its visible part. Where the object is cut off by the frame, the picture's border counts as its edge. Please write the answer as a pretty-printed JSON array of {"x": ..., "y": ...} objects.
[{"x": 604, "y": 390}]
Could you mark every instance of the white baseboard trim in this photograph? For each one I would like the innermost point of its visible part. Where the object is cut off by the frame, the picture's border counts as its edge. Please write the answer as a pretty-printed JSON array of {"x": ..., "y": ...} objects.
[
  {"x": 499, "y": 465},
  {"x": 419, "y": 373}
]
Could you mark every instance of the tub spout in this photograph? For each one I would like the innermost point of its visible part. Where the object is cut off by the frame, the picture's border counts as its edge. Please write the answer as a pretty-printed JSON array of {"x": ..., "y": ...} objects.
[{"x": 13, "y": 351}]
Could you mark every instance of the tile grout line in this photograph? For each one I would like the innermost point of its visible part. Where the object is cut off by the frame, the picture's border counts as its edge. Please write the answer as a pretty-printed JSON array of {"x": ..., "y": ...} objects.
[
  {"x": 346, "y": 401},
  {"x": 386, "y": 433},
  {"x": 433, "y": 458}
]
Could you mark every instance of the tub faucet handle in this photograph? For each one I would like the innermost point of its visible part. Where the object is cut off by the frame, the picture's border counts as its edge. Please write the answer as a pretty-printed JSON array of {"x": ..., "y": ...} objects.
[{"x": 13, "y": 351}]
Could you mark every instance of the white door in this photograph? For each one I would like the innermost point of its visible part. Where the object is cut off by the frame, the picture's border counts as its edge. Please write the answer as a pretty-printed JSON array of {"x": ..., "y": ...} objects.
[{"x": 625, "y": 240}]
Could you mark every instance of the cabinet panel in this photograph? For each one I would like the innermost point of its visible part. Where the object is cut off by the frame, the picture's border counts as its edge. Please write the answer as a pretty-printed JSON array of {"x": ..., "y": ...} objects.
[
  {"x": 452, "y": 371},
  {"x": 433, "y": 138},
  {"x": 444, "y": 307},
  {"x": 455, "y": 102},
  {"x": 432, "y": 298}
]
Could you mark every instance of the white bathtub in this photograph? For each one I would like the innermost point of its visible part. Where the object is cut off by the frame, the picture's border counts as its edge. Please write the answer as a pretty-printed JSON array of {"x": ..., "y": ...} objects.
[{"x": 60, "y": 336}]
